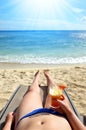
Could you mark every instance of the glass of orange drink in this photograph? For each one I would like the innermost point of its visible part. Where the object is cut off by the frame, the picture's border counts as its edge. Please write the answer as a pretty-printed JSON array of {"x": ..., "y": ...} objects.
[{"x": 56, "y": 92}]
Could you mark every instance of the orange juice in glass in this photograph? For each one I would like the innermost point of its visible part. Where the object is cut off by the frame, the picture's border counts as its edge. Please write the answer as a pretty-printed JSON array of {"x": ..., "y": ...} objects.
[{"x": 56, "y": 92}]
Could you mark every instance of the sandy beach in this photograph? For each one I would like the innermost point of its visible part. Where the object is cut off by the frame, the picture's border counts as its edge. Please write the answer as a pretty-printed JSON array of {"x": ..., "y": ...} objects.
[{"x": 74, "y": 76}]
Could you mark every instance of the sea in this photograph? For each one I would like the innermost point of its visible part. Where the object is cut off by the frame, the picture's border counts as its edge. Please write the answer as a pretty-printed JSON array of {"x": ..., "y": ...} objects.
[{"x": 43, "y": 46}]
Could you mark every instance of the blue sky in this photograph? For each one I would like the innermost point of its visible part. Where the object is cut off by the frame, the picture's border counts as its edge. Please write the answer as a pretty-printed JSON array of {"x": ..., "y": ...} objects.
[{"x": 42, "y": 14}]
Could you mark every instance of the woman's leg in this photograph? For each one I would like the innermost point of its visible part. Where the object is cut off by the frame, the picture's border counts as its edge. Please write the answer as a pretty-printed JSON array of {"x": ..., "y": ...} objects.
[
  {"x": 50, "y": 83},
  {"x": 31, "y": 100}
]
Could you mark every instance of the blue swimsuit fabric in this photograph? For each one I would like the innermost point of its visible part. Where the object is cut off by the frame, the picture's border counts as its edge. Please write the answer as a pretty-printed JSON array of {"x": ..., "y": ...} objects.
[{"x": 40, "y": 110}]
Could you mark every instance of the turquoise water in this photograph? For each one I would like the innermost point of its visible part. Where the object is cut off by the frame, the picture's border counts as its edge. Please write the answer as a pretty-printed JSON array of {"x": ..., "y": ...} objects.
[{"x": 47, "y": 47}]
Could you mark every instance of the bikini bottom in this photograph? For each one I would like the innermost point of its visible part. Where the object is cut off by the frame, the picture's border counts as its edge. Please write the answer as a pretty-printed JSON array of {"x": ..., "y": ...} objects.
[{"x": 40, "y": 110}]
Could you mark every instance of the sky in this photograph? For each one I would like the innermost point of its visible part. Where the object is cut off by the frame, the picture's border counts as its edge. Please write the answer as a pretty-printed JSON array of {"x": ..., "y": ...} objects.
[{"x": 42, "y": 14}]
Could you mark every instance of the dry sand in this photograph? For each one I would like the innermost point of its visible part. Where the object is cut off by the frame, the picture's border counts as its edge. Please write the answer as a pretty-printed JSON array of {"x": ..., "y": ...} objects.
[{"x": 74, "y": 76}]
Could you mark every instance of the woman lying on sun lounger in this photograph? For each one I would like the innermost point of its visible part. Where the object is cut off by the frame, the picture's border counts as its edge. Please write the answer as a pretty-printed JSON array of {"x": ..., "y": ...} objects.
[{"x": 31, "y": 115}]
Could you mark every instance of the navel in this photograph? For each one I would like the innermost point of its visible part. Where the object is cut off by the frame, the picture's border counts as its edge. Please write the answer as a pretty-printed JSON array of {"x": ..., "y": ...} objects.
[{"x": 42, "y": 122}]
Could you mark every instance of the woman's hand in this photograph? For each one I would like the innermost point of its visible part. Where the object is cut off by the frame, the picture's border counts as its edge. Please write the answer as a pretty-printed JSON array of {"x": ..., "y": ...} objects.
[
  {"x": 74, "y": 121},
  {"x": 64, "y": 106},
  {"x": 8, "y": 121}
]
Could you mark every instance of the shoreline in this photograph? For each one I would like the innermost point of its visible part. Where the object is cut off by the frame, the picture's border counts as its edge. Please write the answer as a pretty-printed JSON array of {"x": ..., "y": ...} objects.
[
  {"x": 72, "y": 75},
  {"x": 8, "y": 65}
]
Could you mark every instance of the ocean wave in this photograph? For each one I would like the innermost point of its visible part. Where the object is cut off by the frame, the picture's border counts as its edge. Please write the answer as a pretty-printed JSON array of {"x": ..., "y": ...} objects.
[
  {"x": 80, "y": 35},
  {"x": 42, "y": 60}
]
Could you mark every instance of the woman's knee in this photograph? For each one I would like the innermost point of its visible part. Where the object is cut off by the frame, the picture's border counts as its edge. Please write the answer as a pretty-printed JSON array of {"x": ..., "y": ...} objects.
[{"x": 32, "y": 93}]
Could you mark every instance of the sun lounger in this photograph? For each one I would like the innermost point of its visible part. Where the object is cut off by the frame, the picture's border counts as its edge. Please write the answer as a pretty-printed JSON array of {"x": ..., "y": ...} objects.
[{"x": 14, "y": 101}]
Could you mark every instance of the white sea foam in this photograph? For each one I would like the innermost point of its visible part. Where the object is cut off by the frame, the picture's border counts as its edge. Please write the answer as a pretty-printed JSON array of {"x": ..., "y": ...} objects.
[
  {"x": 44, "y": 60},
  {"x": 79, "y": 35}
]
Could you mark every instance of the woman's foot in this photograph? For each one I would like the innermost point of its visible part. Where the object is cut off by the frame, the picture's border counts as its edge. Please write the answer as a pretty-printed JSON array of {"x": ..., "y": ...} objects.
[
  {"x": 37, "y": 74},
  {"x": 35, "y": 84},
  {"x": 50, "y": 82},
  {"x": 36, "y": 79}
]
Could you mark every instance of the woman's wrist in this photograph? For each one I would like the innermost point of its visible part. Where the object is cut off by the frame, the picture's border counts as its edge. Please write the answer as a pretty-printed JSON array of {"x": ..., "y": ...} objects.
[{"x": 69, "y": 112}]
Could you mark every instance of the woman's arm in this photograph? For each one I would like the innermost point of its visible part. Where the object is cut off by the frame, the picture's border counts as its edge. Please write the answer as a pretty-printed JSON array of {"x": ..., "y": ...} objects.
[
  {"x": 8, "y": 121},
  {"x": 75, "y": 123}
]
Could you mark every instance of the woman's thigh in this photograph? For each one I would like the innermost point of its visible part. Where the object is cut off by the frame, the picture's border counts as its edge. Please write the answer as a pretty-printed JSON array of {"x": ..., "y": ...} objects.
[{"x": 30, "y": 102}]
